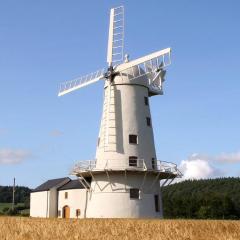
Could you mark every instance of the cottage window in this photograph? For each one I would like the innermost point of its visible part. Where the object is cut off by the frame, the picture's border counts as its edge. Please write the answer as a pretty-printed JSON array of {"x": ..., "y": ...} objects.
[
  {"x": 66, "y": 195},
  {"x": 133, "y": 139},
  {"x": 78, "y": 212},
  {"x": 134, "y": 193}
]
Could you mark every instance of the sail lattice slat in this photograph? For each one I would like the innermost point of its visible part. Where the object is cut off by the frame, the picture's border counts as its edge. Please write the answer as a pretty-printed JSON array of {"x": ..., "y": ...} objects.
[{"x": 80, "y": 82}]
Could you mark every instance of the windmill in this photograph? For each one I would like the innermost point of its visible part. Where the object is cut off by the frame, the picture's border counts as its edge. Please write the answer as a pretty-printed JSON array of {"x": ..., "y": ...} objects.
[{"x": 123, "y": 180}]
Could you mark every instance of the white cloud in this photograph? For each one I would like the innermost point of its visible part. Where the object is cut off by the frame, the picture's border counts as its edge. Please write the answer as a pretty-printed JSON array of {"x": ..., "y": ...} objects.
[
  {"x": 56, "y": 133},
  {"x": 197, "y": 169},
  {"x": 233, "y": 157},
  {"x": 201, "y": 166},
  {"x": 13, "y": 156}
]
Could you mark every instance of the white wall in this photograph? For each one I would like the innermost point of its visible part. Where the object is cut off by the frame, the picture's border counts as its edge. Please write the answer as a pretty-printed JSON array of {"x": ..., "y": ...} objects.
[
  {"x": 111, "y": 199},
  {"x": 43, "y": 204},
  {"x": 76, "y": 200},
  {"x": 39, "y": 204},
  {"x": 127, "y": 116},
  {"x": 119, "y": 205}
]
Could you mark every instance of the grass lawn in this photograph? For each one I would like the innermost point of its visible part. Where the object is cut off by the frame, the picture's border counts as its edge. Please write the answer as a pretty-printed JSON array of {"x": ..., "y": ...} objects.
[{"x": 3, "y": 205}]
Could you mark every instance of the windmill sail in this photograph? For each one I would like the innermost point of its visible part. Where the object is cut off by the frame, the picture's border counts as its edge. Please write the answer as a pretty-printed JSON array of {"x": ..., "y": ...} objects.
[
  {"x": 147, "y": 64},
  {"x": 151, "y": 65},
  {"x": 116, "y": 36},
  {"x": 80, "y": 82}
]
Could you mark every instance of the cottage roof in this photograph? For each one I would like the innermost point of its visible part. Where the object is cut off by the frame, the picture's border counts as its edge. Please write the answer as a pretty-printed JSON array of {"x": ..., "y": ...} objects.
[
  {"x": 51, "y": 183},
  {"x": 73, "y": 184}
]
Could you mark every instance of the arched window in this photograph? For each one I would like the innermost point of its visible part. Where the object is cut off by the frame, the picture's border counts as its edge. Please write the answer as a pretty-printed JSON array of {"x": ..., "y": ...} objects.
[{"x": 66, "y": 212}]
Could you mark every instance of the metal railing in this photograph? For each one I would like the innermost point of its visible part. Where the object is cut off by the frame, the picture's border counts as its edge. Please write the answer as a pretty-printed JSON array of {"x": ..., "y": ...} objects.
[
  {"x": 164, "y": 166},
  {"x": 136, "y": 164}
]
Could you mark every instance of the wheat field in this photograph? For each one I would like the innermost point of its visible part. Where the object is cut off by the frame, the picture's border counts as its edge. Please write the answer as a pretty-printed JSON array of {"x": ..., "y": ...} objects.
[{"x": 17, "y": 228}]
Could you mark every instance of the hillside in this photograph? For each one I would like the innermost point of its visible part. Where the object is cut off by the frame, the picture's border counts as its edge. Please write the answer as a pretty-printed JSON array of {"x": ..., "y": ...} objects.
[{"x": 203, "y": 199}]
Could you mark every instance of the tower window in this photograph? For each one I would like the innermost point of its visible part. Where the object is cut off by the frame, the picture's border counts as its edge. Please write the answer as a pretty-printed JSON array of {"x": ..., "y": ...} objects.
[
  {"x": 98, "y": 141},
  {"x": 156, "y": 201},
  {"x": 133, "y": 139},
  {"x": 153, "y": 163},
  {"x": 66, "y": 195},
  {"x": 134, "y": 193},
  {"x": 148, "y": 119},
  {"x": 146, "y": 101},
  {"x": 133, "y": 161}
]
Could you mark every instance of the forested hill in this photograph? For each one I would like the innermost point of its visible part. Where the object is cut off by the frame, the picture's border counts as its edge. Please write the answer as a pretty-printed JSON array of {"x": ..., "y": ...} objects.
[
  {"x": 22, "y": 194},
  {"x": 203, "y": 199}
]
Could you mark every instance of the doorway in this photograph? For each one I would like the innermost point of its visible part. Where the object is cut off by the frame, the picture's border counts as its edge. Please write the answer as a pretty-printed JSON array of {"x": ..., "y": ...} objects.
[{"x": 66, "y": 212}]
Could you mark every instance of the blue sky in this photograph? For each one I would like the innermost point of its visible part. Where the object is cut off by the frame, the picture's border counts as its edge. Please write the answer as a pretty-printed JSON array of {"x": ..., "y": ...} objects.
[{"x": 42, "y": 43}]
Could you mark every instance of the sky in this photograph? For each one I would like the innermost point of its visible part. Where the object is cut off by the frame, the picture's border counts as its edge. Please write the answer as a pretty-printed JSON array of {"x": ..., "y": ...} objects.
[{"x": 43, "y": 43}]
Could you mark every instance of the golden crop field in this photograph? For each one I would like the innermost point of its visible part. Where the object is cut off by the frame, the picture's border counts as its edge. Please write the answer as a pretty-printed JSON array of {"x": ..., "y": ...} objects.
[{"x": 16, "y": 228}]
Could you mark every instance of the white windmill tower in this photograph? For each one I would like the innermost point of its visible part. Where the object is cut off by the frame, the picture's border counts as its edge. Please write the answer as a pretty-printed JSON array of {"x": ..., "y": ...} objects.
[{"x": 124, "y": 179}]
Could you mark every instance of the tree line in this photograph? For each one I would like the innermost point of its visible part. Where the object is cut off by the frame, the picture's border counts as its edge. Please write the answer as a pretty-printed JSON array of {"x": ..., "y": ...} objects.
[
  {"x": 22, "y": 194},
  {"x": 203, "y": 199},
  {"x": 194, "y": 199}
]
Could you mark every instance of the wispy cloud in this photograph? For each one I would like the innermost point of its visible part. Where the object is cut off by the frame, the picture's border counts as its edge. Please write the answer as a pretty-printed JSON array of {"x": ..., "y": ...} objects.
[
  {"x": 13, "y": 156},
  {"x": 233, "y": 157},
  {"x": 56, "y": 133}
]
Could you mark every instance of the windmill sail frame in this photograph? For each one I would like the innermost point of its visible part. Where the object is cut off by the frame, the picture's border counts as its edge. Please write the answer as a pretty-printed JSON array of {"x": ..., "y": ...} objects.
[
  {"x": 116, "y": 36},
  {"x": 146, "y": 65},
  {"x": 69, "y": 86}
]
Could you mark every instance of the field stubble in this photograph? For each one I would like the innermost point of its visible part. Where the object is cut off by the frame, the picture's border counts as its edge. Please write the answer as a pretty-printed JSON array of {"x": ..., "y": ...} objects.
[{"x": 17, "y": 228}]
